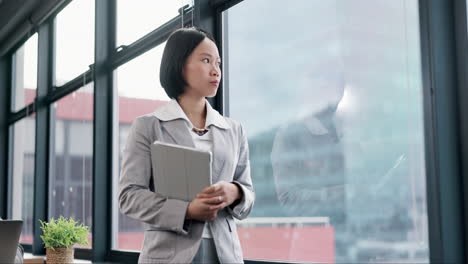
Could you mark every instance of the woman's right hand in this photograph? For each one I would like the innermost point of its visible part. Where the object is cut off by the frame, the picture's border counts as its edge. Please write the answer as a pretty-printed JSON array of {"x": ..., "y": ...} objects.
[{"x": 202, "y": 209}]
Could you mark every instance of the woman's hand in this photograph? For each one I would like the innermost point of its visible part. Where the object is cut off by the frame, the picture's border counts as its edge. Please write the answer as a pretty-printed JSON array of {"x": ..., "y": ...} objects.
[
  {"x": 220, "y": 194},
  {"x": 200, "y": 209}
]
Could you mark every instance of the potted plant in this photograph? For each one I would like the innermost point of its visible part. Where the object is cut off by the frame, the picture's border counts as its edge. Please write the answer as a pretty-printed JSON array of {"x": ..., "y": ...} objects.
[{"x": 59, "y": 237}]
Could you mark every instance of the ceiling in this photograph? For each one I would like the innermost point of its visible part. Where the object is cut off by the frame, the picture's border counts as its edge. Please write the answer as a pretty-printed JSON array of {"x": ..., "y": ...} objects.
[{"x": 13, "y": 13}]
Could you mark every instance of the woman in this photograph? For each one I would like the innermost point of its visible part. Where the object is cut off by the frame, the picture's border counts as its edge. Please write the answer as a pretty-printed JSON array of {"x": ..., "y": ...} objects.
[{"x": 203, "y": 230}]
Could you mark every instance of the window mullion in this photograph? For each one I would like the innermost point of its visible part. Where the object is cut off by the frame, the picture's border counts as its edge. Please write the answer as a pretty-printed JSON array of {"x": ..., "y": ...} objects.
[
  {"x": 41, "y": 180},
  {"x": 5, "y": 88},
  {"x": 103, "y": 131}
]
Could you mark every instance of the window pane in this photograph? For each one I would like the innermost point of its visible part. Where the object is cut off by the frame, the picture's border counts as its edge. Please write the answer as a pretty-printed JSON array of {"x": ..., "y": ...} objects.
[
  {"x": 70, "y": 193},
  {"x": 139, "y": 93},
  {"x": 75, "y": 40},
  {"x": 339, "y": 167},
  {"x": 23, "y": 151},
  {"x": 137, "y": 18},
  {"x": 24, "y": 74}
]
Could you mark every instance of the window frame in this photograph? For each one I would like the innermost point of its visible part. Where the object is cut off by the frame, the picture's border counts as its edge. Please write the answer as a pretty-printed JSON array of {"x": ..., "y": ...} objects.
[
  {"x": 461, "y": 41},
  {"x": 439, "y": 67}
]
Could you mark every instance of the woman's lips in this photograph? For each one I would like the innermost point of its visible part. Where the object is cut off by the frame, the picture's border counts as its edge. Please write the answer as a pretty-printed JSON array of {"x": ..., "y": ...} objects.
[{"x": 215, "y": 83}]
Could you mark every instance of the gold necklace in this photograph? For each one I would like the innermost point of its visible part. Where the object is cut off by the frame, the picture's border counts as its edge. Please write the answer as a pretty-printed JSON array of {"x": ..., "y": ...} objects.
[{"x": 199, "y": 131}]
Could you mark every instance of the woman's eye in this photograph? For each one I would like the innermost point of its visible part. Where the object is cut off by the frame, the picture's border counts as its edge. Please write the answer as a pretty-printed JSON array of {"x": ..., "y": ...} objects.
[
  {"x": 206, "y": 60},
  {"x": 219, "y": 63}
]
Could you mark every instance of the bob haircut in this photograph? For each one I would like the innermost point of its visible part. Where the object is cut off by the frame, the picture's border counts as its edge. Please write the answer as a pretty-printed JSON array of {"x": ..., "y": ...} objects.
[{"x": 179, "y": 46}]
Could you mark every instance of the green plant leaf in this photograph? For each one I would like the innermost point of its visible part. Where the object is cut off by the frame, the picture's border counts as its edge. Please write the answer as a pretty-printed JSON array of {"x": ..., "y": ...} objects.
[{"x": 63, "y": 232}]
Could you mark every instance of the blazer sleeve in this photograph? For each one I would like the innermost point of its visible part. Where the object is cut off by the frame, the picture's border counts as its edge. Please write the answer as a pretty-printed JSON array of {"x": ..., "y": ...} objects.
[
  {"x": 136, "y": 200},
  {"x": 241, "y": 208}
]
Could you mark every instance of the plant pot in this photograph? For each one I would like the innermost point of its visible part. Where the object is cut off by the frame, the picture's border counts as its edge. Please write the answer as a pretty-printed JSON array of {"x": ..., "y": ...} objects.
[{"x": 59, "y": 255}]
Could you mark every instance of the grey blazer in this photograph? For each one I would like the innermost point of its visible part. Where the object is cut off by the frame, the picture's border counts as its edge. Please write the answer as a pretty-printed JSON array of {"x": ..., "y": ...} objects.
[{"x": 169, "y": 238}]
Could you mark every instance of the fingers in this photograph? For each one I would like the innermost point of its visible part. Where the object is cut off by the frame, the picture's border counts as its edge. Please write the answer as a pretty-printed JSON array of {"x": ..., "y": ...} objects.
[
  {"x": 213, "y": 200},
  {"x": 212, "y": 189},
  {"x": 214, "y": 204},
  {"x": 210, "y": 213},
  {"x": 205, "y": 209},
  {"x": 211, "y": 195},
  {"x": 218, "y": 207}
]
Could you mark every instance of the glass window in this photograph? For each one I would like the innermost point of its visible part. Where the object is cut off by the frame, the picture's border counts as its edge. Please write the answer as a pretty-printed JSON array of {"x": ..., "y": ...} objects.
[
  {"x": 75, "y": 40},
  {"x": 70, "y": 193},
  {"x": 140, "y": 93},
  {"x": 23, "y": 134},
  {"x": 135, "y": 19},
  {"x": 339, "y": 166},
  {"x": 24, "y": 74}
]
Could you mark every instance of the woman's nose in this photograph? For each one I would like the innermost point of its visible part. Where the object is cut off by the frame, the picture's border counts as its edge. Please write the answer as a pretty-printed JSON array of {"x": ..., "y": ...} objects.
[{"x": 215, "y": 72}]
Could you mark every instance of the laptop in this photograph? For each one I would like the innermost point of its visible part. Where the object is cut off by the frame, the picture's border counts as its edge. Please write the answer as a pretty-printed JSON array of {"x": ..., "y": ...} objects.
[
  {"x": 10, "y": 231},
  {"x": 180, "y": 172}
]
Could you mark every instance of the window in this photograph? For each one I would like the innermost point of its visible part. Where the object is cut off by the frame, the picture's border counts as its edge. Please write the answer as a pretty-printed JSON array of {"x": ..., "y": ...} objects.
[
  {"x": 70, "y": 193},
  {"x": 22, "y": 149},
  {"x": 339, "y": 166},
  {"x": 75, "y": 40},
  {"x": 140, "y": 93},
  {"x": 135, "y": 19},
  {"x": 25, "y": 74}
]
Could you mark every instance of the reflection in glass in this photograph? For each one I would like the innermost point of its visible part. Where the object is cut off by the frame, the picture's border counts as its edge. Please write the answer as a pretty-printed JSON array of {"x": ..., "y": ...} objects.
[
  {"x": 75, "y": 40},
  {"x": 339, "y": 167},
  {"x": 140, "y": 93},
  {"x": 70, "y": 193},
  {"x": 25, "y": 74},
  {"x": 23, "y": 150},
  {"x": 136, "y": 20}
]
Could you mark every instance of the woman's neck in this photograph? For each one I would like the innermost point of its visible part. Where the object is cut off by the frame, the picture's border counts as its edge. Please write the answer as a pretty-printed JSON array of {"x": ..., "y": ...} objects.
[{"x": 194, "y": 109}]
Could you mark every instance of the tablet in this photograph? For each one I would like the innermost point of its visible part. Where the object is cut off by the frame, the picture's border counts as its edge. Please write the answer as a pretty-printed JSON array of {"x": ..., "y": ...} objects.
[{"x": 180, "y": 172}]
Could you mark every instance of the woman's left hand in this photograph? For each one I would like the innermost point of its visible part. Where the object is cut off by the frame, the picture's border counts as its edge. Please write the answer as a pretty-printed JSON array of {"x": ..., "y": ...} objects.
[{"x": 223, "y": 193}]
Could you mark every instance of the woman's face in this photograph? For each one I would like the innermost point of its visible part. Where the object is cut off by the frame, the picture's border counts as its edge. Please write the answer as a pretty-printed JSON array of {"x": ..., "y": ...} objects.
[{"x": 202, "y": 71}]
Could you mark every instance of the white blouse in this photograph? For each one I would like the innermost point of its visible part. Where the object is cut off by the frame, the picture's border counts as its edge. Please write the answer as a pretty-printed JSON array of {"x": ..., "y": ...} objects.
[{"x": 204, "y": 142}]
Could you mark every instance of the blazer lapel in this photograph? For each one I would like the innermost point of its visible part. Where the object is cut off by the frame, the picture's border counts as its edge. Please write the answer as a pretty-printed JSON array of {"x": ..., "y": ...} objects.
[
  {"x": 177, "y": 129},
  {"x": 219, "y": 146}
]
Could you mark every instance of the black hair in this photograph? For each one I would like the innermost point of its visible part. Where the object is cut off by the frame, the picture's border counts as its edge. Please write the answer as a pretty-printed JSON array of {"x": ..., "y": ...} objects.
[{"x": 179, "y": 46}]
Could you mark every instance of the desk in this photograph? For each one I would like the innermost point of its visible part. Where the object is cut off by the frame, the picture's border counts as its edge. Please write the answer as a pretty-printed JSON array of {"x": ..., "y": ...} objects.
[{"x": 32, "y": 259}]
